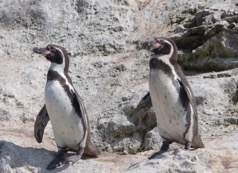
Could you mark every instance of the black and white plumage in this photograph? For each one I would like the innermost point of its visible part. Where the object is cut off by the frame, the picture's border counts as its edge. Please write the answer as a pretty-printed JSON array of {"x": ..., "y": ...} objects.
[
  {"x": 172, "y": 98},
  {"x": 65, "y": 109}
]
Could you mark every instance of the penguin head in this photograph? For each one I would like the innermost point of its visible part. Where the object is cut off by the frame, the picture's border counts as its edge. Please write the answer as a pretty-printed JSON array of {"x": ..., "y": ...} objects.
[
  {"x": 164, "y": 46},
  {"x": 57, "y": 55}
]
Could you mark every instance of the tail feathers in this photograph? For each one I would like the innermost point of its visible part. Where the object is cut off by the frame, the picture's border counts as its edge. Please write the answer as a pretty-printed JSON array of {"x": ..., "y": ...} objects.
[
  {"x": 90, "y": 149},
  {"x": 197, "y": 142}
]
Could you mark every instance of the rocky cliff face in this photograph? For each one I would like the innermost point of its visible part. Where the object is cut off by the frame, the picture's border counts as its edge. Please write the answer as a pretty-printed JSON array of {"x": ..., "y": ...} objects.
[{"x": 109, "y": 69}]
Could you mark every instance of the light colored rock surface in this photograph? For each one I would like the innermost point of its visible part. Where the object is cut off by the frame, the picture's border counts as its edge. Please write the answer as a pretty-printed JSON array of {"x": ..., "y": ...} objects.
[
  {"x": 109, "y": 70},
  {"x": 208, "y": 38}
]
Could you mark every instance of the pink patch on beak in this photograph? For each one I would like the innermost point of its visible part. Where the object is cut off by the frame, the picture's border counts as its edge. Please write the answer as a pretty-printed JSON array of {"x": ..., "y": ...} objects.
[
  {"x": 156, "y": 45},
  {"x": 45, "y": 53}
]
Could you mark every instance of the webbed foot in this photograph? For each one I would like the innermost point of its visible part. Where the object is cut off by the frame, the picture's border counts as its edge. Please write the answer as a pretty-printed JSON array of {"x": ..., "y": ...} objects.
[
  {"x": 57, "y": 161},
  {"x": 164, "y": 148}
]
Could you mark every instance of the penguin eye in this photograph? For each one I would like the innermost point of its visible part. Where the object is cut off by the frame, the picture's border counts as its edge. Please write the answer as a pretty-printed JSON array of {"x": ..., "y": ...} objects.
[{"x": 53, "y": 50}]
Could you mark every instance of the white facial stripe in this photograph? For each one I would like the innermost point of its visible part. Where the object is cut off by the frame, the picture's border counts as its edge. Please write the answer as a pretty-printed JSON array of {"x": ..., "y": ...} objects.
[
  {"x": 166, "y": 58},
  {"x": 58, "y": 67},
  {"x": 171, "y": 51}
]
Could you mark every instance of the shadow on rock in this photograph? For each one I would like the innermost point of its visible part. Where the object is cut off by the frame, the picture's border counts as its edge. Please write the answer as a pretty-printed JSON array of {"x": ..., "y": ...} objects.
[{"x": 14, "y": 157}]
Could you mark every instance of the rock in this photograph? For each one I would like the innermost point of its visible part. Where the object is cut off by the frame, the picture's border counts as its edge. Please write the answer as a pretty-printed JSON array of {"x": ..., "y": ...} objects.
[
  {"x": 152, "y": 140},
  {"x": 109, "y": 69},
  {"x": 209, "y": 30},
  {"x": 15, "y": 157},
  {"x": 181, "y": 161},
  {"x": 117, "y": 70}
]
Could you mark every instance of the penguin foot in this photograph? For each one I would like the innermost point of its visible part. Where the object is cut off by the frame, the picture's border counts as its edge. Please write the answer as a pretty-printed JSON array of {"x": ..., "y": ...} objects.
[
  {"x": 164, "y": 148},
  {"x": 57, "y": 161},
  {"x": 74, "y": 158},
  {"x": 156, "y": 154}
]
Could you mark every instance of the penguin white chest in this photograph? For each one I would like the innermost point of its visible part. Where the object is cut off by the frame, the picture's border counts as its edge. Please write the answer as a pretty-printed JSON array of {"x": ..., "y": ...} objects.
[
  {"x": 66, "y": 124},
  {"x": 170, "y": 114}
]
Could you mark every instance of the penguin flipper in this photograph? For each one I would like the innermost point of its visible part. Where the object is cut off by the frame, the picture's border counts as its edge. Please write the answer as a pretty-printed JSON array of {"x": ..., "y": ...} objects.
[
  {"x": 89, "y": 148},
  {"x": 145, "y": 103},
  {"x": 143, "y": 106},
  {"x": 40, "y": 124},
  {"x": 197, "y": 140}
]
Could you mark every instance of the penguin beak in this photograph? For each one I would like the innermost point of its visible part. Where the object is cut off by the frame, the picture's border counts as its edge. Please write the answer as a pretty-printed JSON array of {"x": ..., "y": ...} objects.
[
  {"x": 151, "y": 45},
  {"x": 147, "y": 44},
  {"x": 42, "y": 51},
  {"x": 156, "y": 44}
]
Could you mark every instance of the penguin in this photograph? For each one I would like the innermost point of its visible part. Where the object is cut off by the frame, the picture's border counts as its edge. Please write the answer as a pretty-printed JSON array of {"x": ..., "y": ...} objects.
[
  {"x": 65, "y": 110},
  {"x": 172, "y": 98}
]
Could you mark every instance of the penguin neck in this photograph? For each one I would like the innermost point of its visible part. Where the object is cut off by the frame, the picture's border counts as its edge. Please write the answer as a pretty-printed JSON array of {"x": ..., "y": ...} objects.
[
  {"x": 166, "y": 57},
  {"x": 62, "y": 69},
  {"x": 168, "y": 64},
  {"x": 169, "y": 59},
  {"x": 57, "y": 70}
]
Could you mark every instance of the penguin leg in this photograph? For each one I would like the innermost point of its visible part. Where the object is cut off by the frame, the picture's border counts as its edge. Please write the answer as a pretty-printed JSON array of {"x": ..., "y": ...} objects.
[
  {"x": 187, "y": 145},
  {"x": 74, "y": 158},
  {"x": 57, "y": 161},
  {"x": 164, "y": 148}
]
